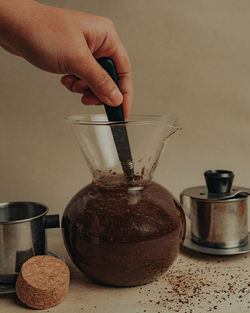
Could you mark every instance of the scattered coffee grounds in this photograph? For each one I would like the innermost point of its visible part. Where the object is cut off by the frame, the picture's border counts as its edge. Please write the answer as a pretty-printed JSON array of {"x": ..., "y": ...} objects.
[
  {"x": 42, "y": 282},
  {"x": 123, "y": 235},
  {"x": 207, "y": 286}
]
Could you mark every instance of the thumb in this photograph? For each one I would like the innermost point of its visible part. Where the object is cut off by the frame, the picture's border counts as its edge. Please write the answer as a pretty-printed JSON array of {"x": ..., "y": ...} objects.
[{"x": 99, "y": 81}]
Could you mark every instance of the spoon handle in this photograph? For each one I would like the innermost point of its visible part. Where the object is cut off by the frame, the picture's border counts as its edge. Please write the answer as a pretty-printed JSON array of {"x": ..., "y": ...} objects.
[{"x": 115, "y": 114}]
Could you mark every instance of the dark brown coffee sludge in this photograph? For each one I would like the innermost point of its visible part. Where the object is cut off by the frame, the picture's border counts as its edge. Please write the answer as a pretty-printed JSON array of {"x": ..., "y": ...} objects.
[{"x": 123, "y": 236}]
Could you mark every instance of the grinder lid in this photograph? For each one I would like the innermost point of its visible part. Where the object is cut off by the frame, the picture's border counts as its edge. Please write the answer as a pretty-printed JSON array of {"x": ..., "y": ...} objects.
[{"x": 218, "y": 187}]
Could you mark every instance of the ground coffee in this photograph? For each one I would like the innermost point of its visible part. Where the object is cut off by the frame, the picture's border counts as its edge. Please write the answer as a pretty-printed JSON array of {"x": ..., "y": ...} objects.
[{"x": 123, "y": 236}]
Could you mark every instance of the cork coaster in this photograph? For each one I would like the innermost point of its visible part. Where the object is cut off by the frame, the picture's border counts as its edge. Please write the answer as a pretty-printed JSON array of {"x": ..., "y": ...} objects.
[{"x": 42, "y": 282}]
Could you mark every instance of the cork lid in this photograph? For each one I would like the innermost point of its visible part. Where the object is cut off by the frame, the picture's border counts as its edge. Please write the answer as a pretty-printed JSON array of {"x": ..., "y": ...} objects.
[{"x": 43, "y": 282}]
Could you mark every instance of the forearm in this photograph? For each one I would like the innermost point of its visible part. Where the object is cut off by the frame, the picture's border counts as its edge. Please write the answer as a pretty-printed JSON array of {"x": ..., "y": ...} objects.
[{"x": 13, "y": 19}]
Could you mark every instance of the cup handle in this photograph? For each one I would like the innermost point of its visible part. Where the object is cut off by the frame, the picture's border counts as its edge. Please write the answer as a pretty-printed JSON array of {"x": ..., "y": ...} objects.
[
  {"x": 186, "y": 208},
  {"x": 52, "y": 221}
]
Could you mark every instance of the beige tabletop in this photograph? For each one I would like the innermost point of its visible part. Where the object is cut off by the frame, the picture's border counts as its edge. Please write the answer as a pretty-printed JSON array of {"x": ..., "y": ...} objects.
[{"x": 195, "y": 283}]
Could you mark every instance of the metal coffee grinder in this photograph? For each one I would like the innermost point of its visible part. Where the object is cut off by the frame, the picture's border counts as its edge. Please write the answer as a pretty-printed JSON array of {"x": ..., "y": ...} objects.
[{"x": 218, "y": 215}]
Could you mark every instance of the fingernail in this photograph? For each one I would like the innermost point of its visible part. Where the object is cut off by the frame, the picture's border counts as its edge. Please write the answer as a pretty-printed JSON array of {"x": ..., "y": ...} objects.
[{"x": 115, "y": 97}]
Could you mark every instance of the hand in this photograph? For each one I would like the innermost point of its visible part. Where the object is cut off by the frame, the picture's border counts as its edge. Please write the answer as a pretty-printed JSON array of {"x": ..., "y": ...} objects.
[{"x": 68, "y": 42}]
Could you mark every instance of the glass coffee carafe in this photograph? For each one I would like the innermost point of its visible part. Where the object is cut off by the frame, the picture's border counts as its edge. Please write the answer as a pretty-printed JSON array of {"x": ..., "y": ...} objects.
[{"x": 123, "y": 230}]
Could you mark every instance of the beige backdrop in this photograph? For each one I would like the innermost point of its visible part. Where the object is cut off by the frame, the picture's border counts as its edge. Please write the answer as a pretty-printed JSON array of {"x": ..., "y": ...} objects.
[{"x": 190, "y": 58}]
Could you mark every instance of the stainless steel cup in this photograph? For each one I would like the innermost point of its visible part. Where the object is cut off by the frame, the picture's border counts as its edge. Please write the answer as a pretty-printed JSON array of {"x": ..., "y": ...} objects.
[
  {"x": 220, "y": 224},
  {"x": 216, "y": 223},
  {"x": 22, "y": 235}
]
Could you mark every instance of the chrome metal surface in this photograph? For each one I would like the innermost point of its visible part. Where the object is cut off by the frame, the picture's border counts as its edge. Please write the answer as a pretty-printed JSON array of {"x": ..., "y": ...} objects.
[
  {"x": 53, "y": 253},
  {"x": 10, "y": 288},
  {"x": 217, "y": 223},
  {"x": 188, "y": 243},
  {"x": 201, "y": 193},
  {"x": 7, "y": 288},
  {"x": 22, "y": 235}
]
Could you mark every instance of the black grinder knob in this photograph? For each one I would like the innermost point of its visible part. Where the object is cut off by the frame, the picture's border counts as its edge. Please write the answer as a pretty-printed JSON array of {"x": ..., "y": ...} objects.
[{"x": 219, "y": 181}]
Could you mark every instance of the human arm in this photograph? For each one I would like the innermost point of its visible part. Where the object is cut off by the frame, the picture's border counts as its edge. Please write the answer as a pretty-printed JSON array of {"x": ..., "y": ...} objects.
[{"x": 68, "y": 42}]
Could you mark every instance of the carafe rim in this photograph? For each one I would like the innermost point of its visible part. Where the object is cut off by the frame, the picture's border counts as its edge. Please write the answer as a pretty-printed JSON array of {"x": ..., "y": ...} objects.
[{"x": 133, "y": 119}]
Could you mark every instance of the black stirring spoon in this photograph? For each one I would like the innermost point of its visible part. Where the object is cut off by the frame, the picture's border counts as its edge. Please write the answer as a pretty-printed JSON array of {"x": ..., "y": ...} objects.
[{"x": 119, "y": 131}]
